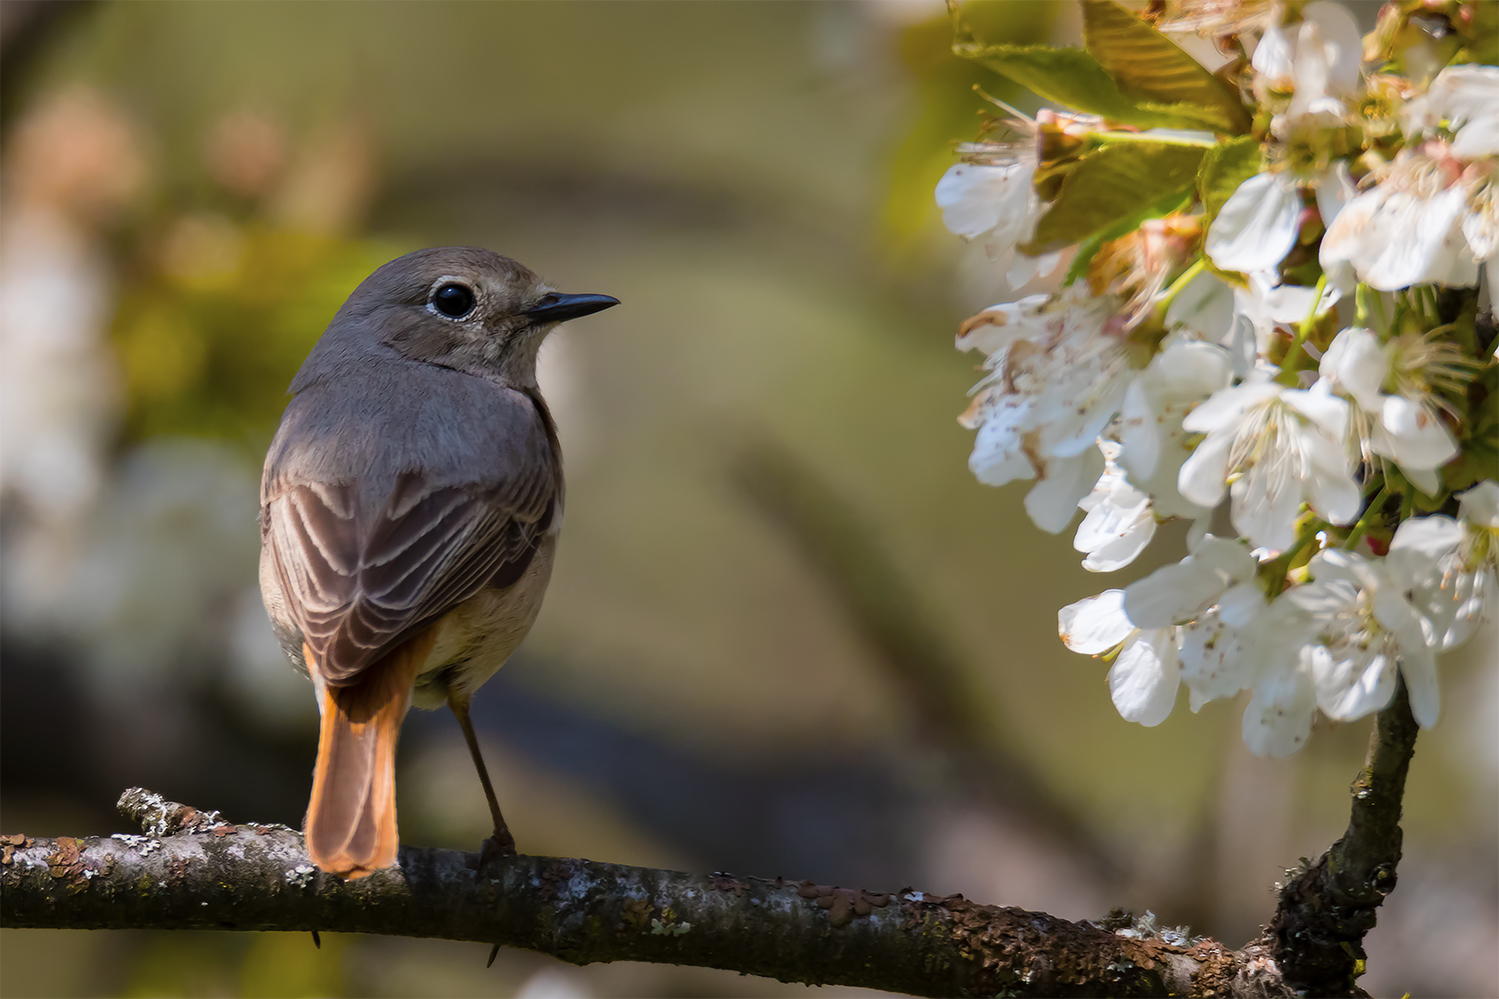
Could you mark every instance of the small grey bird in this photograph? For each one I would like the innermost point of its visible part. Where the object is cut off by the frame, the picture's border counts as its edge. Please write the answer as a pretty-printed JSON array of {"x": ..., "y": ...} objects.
[{"x": 409, "y": 511}]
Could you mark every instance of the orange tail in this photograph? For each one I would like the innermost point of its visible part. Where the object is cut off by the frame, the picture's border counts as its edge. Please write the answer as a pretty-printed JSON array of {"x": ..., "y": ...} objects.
[{"x": 351, "y": 819}]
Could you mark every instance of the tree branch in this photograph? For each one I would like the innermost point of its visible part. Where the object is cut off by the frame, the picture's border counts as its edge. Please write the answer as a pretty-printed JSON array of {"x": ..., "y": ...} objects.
[
  {"x": 1326, "y": 909},
  {"x": 193, "y": 870}
]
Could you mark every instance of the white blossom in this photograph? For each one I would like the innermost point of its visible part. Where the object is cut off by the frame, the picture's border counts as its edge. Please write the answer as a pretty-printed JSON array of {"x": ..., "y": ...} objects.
[
  {"x": 1404, "y": 427},
  {"x": 1193, "y": 364},
  {"x": 991, "y": 197},
  {"x": 1145, "y": 675},
  {"x": 996, "y": 203},
  {"x": 1187, "y": 623},
  {"x": 1430, "y": 219},
  {"x": 1211, "y": 600},
  {"x": 1316, "y": 58},
  {"x": 1150, "y": 422},
  {"x": 1215, "y": 657},
  {"x": 1056, "y": 379},
  {"x": 1257, "y": 225},
  {"x": 1464, "y": 100},
  {"x": 1448, "y": 567},
  {"x": 1218, "y": 568},
  {"x": 1279, "y": 717},
  {"x": 1260, "y": 222},
  {"x": 1269, "y": 309},
  {"x": 1062, "y": 484},
  {"x": 998, "y": 326},
  {"x": 1363, "y": 629},
  {"x": 1204, "y": 307},
  {"x": 1272, "y": 448},
  {"x": 1119, "y": 521}
]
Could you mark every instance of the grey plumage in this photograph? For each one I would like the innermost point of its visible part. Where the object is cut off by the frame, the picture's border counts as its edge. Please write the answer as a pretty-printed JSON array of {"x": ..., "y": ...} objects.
[
  {"x": 393, "y": 495},
  {"x": 410, "y": 504}
]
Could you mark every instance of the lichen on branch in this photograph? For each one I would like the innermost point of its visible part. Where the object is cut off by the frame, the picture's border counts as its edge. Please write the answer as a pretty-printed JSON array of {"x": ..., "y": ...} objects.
[{"x": 195, "y": 870}]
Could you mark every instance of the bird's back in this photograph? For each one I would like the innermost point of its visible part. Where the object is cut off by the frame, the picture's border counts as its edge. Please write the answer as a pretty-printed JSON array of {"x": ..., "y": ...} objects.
[
  {"x": 372, "y": 425},
  {"x": 392, "y": 455}
]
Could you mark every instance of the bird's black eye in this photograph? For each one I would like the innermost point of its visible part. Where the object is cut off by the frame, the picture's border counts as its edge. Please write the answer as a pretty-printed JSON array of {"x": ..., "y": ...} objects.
[{"x": 453, "y": 300}]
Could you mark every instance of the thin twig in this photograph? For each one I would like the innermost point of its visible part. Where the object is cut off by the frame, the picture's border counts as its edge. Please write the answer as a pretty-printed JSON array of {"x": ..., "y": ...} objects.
[{"x": 1325, "y": 910}]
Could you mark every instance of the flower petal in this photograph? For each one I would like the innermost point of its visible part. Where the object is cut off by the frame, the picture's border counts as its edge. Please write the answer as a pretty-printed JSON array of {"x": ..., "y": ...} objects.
[
  {"x": 1241, "y": 604},
  {"x": 1420, "y": 675},
  {"x": 1144, "y": 678},
  {"x": 1203, "y": 476},
  {"x": 1226, "y": 556},
  {"x": 976, "y": 198},
  {"x": 998, "y": 457},
  {"x": 1480, "y": 505},
  {"x": 1356, "y": 361},
  {"x": 1120, "y": 552},
  {"x": 1171, "y": 595},
  {"x": 1418, "y": 438},
  {"x": 1224, "y": 407},
  {"x": 1432, "y": 537},
  {"x": 1215, "y": 663},
  {"x": 1256, "y": 226},
  {"x": 1000, "y": 325},
  {"x": 1279, "y": 717},
  {"x": 1334, "y": 493},
  {"x": 1273, "y": 54},
  {"x": 1341, "y": 43},
  {"x": 1334, "y": 190},
  {"x": 1423, "y": 242},
  {"x": 1266, "y": 500},
  {"x": 1352, "y": 682},
  {"x": 1205, "y": 306},
  {"x": 1053, "y": 500},
  {"x": 1139, "y": 432},
  {"x": 1457, "y": 96},
  {"x": 1333, "y": 565},
  {"x": 1095, "y": 624},
  {"x": 1324, "y": 409}
]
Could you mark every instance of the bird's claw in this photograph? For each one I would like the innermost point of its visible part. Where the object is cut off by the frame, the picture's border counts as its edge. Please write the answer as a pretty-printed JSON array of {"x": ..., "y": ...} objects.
[{"x": 501, "y": 844}]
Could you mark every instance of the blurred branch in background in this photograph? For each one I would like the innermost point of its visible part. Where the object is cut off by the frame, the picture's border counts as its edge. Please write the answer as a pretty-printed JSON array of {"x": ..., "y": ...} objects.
[
  {"x": 27, "y": 27},
  {"x": 193, "y": 870},
  {"x": 916, "y": 655}
]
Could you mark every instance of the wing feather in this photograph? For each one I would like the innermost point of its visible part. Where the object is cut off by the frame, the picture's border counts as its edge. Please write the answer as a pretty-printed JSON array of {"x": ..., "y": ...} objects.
[{"x": 358, "y": 589}]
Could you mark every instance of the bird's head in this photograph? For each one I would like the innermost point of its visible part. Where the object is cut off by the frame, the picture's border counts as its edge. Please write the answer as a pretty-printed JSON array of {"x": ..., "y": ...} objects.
[{"x": 464, "y": 308}]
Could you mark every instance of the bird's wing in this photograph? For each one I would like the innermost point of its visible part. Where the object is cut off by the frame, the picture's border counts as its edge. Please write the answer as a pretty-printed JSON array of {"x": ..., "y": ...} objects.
[{"x": 358, "y": 589}]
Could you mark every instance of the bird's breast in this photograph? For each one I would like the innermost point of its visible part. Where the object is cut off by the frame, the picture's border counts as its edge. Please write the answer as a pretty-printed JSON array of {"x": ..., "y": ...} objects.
[{"x": 475, "y": 638}]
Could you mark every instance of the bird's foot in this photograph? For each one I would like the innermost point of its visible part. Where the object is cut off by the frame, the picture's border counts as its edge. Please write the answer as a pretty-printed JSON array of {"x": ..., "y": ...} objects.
[{"x": 500, "y": 844}]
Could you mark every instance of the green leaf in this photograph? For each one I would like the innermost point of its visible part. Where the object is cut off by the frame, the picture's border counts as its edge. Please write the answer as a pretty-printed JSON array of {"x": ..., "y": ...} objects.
[
  {"x": 1173, "y": 202},
  {"x": 1074, "y": 78},
  {"x": 1151, "y": 69},
  {"x": 1224, "y": 168},
  {"x": 1111, "y": 184}
]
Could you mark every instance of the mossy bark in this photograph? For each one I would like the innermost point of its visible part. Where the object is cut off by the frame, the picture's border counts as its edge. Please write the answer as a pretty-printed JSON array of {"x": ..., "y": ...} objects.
[{"x": 196, "y": 871}]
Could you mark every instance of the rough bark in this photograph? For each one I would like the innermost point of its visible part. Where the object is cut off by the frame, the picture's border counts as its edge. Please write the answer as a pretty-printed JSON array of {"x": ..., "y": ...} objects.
[
  {"x": 193, "y": 870},
  {"x": 1326, "y": 909}
]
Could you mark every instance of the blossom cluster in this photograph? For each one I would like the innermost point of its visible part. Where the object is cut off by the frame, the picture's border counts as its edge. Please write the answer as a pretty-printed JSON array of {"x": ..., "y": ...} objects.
[{"x": 1269, "y": 247}]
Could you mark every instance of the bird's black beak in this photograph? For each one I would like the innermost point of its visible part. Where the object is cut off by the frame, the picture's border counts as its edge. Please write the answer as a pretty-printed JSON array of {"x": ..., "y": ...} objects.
[{"x": 557, "y": 307}]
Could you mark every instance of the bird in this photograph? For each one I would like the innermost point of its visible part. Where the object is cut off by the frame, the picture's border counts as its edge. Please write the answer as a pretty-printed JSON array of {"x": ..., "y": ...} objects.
[{"x": 410, "y": 507}]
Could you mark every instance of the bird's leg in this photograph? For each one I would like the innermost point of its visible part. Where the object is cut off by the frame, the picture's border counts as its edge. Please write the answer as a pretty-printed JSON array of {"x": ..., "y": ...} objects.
[{"x": 501, "y": 844}]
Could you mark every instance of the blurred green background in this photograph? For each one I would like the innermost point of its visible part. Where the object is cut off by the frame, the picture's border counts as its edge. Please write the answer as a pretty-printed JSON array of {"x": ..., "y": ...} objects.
[{"x": 787, "y": 632}]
